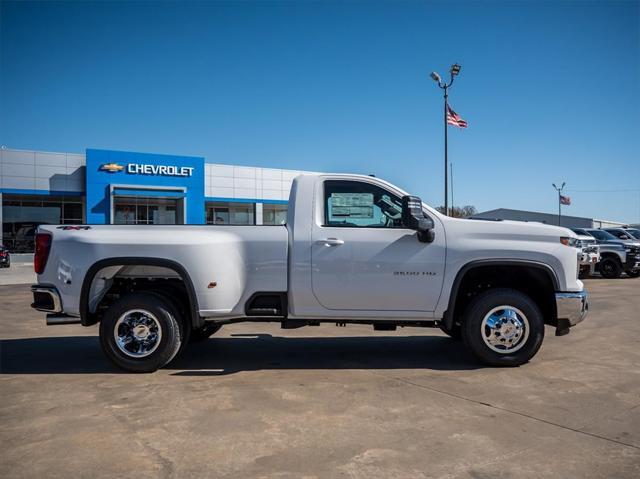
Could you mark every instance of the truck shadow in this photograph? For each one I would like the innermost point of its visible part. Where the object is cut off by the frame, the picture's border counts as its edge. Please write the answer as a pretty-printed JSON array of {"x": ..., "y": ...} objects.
[{"x": 229, "y": 355}]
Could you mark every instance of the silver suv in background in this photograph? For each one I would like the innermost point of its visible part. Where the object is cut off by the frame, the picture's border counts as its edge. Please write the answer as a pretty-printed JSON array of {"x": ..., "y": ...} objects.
[
  {"x": 635, "y": 232},
  {"x": 616, "y": 255},
  {"x": 625, "y": 234}
]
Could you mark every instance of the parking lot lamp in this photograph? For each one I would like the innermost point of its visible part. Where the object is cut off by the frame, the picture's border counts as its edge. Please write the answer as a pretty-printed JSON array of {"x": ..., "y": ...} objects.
[{"x": 453, "y": 72}]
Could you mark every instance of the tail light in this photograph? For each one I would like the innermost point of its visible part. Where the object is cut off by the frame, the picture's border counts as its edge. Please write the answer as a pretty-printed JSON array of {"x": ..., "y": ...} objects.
[{"x": 43, "y": 246}]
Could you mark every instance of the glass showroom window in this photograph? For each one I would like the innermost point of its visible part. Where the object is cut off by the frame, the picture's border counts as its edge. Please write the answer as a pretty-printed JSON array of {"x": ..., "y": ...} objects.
[
  {"x": 274, "y": 214},
  {"x": 22, "y": 214},
  {"x": 231, "y": 213},
  {"x": 142, "y": 210}
]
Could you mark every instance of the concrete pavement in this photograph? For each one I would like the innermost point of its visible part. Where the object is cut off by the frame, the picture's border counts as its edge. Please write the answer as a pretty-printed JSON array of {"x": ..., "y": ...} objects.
[
  {"x": 258, "y": 401},
  {"x": 20, "y": 272}
]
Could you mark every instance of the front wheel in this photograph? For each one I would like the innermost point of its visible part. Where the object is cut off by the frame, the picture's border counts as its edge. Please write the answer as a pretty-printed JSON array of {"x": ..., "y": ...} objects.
[
  {"x": 633, "y": 273},
  {"x": 141, "y": 332},
  {"x": 503, "y": 327},
  {"x": 584, "y": 273},
  {"x": 610, "y": 268}
]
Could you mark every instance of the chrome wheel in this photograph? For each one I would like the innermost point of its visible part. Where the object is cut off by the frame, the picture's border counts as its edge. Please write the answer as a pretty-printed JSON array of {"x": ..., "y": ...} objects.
[
  {"x": 137, "y": 333},
  {"x": 505, "y": 329}
]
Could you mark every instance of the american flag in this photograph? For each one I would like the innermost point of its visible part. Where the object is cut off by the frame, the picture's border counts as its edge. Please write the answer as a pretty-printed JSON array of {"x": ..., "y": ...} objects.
[
  {"x": 565, "y": 200},
  {"x": 454, "y": 119}
]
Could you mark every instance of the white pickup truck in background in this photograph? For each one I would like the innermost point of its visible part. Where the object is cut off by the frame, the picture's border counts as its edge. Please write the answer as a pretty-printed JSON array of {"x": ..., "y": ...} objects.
[{"x": 355, "y": 249}]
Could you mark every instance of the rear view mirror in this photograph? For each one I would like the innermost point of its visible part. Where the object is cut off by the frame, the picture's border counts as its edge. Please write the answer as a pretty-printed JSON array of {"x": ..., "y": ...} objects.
[{"x": 413, "y": 218}]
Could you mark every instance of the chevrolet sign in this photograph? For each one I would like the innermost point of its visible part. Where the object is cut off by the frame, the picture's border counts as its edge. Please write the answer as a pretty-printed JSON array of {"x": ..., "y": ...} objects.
[
  {"x": 111, "y": 167},
  {"x": 142, "y": 169},
  {"x": 162, "y": 170}
]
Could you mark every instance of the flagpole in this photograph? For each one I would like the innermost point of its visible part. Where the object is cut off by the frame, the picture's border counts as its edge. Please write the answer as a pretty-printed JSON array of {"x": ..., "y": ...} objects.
[
  {"x": 559, "y": 190},
  {"x": 446, "y": 152},
  {"x": 453, "y": 71},
  {"x": 559, "y": 209},
  {"x": 452, "y": 203}
]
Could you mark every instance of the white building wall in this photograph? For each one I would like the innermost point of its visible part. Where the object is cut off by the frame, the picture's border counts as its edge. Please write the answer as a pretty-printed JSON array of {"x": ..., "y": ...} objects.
[
  {"x": 249, "y": 183},
  {"x": 41, "y": 171},
  {"x": 607, "y": 224}
]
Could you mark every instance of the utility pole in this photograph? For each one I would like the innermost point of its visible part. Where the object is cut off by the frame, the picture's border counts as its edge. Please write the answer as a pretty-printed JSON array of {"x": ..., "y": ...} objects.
[
  {"x": 559, "y": 190},
  {"x": 453, "y": 72}
]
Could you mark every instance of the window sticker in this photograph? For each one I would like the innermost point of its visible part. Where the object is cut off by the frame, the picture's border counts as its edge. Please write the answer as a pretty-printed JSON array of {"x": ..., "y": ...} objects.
[{"x": 352, "y": 205}]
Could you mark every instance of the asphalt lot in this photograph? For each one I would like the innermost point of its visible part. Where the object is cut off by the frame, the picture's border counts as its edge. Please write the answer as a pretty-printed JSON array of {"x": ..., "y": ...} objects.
[{"x": 258, "y": 401}]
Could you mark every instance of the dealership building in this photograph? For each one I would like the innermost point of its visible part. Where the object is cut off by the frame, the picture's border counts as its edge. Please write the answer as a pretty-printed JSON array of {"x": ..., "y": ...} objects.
[
  {"x": 117, "y": 187},
  {"x": 547, "y": 218}
]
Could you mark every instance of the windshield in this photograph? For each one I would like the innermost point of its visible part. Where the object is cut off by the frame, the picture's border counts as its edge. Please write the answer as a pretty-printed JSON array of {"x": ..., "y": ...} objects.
[
  {"x": 634, "y": 232},
  {"x": 580, "y": 231},
  {"x": 602, "y": 235}
]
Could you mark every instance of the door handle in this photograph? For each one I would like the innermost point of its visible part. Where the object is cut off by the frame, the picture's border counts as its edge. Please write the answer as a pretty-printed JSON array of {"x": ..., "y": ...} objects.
[{"x": 332, "y": 241}]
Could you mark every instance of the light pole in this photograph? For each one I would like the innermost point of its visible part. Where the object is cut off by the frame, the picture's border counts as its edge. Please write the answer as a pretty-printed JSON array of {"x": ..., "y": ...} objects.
[
  {"x": 453, "y": 72},
  {"x": 453, "y": 205},
  {"x": 559, "y": 190}
]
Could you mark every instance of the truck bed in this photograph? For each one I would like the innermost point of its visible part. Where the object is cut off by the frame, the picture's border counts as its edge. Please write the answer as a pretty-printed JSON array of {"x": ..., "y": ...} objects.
[{"x": 225, "y": 264}]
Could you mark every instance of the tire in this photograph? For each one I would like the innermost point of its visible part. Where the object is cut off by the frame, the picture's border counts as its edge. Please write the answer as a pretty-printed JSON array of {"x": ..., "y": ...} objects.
[
  {"x": 610, "y": 268},
  {"x": 507, "y": 345},
  {"x": 154, "y": 318},
  {"x": 454, "y": 333},
  {"x": 204, "y": 333},
  {"x": 633, "y": 273},
  {"x": 585, "y": 272}
]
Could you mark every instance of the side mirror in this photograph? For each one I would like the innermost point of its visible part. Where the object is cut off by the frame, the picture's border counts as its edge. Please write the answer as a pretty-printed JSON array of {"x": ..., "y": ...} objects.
[
  {"x": 414, "y": 219},
  {"x": 624, "y": 237}
]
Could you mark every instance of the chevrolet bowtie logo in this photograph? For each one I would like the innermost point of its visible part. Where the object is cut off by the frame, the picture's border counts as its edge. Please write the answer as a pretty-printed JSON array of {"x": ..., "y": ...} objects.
[{"x": 112, "y": 167}]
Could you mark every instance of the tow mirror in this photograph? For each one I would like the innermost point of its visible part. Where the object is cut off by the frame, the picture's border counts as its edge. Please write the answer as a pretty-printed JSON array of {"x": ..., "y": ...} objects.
[{"x": 413, "y": 218}]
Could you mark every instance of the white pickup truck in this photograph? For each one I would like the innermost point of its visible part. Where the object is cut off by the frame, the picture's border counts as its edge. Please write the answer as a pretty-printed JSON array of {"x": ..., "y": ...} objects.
[{"x": 355, "y": 249}]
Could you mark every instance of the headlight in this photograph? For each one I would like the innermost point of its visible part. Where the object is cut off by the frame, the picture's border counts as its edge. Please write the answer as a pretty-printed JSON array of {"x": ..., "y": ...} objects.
[{"x": 565, "y": 240}]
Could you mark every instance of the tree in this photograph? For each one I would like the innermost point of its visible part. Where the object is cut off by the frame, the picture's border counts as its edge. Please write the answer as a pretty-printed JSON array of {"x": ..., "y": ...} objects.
[{"x": 459, "y": 212}]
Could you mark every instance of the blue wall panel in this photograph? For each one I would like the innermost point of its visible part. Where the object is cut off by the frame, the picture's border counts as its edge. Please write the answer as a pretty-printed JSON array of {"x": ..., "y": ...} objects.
[{"x": 128, "y": 172}]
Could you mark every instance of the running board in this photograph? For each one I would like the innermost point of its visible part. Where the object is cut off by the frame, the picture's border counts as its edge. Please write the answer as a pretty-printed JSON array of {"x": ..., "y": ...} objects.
[{"x": 55, "y": 319}]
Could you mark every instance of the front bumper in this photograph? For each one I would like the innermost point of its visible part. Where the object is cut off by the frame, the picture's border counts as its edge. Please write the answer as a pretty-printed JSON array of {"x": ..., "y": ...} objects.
[
  {"x": 633, "y": 261},
  {"x": 572, "y": 307},
  {"x": 588, "y": 259}
]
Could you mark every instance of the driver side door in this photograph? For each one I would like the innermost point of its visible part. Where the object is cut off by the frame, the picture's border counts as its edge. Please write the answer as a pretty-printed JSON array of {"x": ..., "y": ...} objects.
[{"x": 364, "y": 259}]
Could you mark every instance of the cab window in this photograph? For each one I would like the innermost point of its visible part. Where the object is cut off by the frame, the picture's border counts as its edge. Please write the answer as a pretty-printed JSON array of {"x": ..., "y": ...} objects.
[{"x": 355, "y": 204}]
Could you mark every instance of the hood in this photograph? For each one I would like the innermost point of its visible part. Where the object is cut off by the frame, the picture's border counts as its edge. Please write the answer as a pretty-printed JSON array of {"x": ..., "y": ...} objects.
[
  {"x": 509, "y": 229},
  {"x": 618, "y": 242}
]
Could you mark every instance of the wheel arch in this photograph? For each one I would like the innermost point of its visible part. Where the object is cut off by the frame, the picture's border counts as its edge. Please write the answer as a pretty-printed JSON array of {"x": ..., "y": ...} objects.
[
  {"x": 612, "y": 255},
  {"x": 87, "y": 318},
  {"x": 542, "y": 268}
]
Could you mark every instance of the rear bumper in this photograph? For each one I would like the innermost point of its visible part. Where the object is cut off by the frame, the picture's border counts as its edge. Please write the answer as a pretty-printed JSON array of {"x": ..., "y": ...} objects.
[
  {"x": 572, "y": 307},
  {"x": 46, "y": 298}
]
